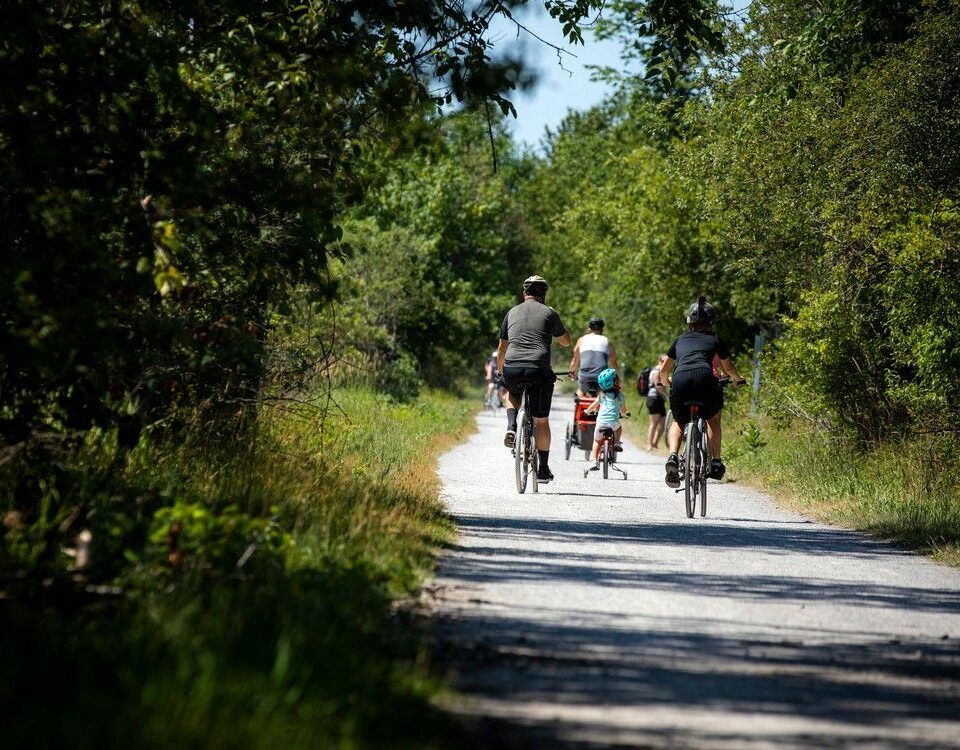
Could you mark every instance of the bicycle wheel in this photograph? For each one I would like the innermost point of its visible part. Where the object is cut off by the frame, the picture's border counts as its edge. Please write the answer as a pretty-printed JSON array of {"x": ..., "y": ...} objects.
[
  {"x": 519, "y": 453},
  {"x": 704, "y": 470},
  {"x": 606, "y": 458},
  {"x": 533, "y": 458},
  {"x": 689, "y": 469},
  {"x": 568, "y": 441}
]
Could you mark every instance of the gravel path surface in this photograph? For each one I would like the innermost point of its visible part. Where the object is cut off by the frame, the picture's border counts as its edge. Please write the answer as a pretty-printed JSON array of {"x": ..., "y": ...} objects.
[{"x": 595, "y": 614}]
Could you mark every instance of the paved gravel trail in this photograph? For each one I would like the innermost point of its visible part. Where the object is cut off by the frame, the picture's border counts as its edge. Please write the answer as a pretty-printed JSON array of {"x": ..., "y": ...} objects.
[{"x": 595, "y": 614}]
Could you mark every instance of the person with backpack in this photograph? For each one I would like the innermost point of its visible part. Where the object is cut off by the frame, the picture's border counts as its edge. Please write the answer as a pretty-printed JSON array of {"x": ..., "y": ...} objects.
[{"x": 656, "y": 402}]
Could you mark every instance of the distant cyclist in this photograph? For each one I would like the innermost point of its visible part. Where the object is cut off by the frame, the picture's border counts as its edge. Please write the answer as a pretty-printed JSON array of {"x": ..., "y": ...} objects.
[
  {"x": 693, "y": 380},
  {"x": 526, "y": 334},
  {"x": 592, "y": 354},
  {"x": 490, "y": 372}
]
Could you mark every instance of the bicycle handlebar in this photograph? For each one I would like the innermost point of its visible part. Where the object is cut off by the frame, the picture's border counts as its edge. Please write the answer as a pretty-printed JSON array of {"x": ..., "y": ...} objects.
[{"x": 724, "y": 382}]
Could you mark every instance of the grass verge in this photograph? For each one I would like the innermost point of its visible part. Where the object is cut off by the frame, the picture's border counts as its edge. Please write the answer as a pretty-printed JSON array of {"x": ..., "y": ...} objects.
[
  {"x": 905, "y": 491},
  {"x": 253, "y": 602}
]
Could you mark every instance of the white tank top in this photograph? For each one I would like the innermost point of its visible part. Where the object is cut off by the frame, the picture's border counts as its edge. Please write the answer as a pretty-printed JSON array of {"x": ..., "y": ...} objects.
[{"x": 594, "y": 354}]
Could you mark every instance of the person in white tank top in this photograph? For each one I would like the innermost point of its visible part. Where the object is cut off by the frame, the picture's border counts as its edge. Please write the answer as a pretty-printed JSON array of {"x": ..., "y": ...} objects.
[{"x": 592, "y": 354}]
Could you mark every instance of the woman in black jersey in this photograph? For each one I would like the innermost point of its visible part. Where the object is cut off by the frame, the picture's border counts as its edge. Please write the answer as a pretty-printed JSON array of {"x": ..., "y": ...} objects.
[{"x": 693, "y": 380}]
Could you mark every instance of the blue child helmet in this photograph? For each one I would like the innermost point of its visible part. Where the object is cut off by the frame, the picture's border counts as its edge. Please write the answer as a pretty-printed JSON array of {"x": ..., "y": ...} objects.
[{"x": 607, "y": 378}]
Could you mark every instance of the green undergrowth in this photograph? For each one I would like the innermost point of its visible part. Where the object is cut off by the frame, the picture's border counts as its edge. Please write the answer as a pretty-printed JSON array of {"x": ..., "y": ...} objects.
[
  {"x": 250, "y": 598},
  {"x": 906, "y": 490}
]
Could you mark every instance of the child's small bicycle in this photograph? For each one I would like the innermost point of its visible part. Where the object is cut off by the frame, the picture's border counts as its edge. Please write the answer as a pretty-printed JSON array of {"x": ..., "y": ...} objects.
[{"x": 608, "y": 454}]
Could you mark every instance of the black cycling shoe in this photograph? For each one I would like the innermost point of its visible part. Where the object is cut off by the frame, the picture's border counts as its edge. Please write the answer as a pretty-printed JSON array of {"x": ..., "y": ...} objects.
[
  {"x": 509, "y": 438},
  {"x": 717, "y": 469},
  {"x": 673, "y": 470},
  {"x": 543, "y": 475},
  {"x": 618, "y": 447}
]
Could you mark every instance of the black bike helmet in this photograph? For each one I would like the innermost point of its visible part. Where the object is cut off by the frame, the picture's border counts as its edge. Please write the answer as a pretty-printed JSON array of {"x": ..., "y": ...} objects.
[
  {"x": 536, "y": 286},
  {"x": 701, "y": 311},
  {"x": 595, "y": 324}
]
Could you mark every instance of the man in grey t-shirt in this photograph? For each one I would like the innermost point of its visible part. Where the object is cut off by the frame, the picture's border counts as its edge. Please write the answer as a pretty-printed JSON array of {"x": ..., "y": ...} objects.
[{"x": 524, "y": 357}]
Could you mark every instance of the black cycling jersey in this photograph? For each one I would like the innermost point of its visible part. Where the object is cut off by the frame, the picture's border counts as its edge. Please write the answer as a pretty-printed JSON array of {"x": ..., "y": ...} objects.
[{"x": 694, "y": 350}]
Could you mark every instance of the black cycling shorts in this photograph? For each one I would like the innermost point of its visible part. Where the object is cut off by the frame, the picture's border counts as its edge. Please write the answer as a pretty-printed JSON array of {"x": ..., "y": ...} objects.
[
  {"x": 695, "y": 385},
  {"x": 657, "y": 405},
  {"x": 540, "y": 387}
]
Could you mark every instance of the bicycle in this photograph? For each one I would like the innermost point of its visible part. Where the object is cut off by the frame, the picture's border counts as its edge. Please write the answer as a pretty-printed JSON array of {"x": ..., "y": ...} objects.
[
  {"x": 493, "y": 403},
  {"x": 525, "y": 456},
  {"x": 608, "y": 454},
  {"x": 695, "y": 458}
]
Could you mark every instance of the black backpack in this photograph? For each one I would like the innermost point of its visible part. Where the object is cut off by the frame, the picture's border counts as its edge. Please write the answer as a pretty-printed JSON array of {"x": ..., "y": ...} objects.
[{"x": 643, "y": 381}]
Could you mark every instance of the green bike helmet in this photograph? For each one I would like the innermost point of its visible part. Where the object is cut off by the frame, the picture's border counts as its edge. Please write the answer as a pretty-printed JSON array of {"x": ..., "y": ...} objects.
[
  {"x": 535, "y": 286},
  {"x": 607, "y": 379}
]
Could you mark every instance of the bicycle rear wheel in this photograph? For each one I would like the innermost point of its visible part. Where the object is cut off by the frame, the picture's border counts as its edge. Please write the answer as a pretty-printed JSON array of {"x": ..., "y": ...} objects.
[
  {"x": 689, "y": 469},
  {"x": 520, "y": 453},
  {"x": 606, "y": 458},
  {"x": 533, "y": 460},
  {"x": 704, "y": 471}
]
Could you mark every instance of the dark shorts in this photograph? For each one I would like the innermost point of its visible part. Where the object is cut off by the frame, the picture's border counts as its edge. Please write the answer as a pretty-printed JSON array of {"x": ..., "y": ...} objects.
[
  {"x": 540, "y": 387},
  {"x": 695, "y": 385},
  {"x": 657, "y": 405},
  {"x": 588, "y": 384}
]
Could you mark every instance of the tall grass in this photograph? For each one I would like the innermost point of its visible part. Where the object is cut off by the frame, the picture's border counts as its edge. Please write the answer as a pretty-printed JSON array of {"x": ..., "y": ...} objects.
[
  {"x": 906, "y": 490},
  {"x": 274, "y": 632}
]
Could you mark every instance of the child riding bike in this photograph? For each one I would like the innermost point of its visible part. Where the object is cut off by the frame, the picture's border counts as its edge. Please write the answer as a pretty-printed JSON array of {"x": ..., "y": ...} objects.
[{"x": 611, "y": 404}]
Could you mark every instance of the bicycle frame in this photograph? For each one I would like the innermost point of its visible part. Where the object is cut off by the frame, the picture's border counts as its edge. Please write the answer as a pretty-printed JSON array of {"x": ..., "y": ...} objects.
[
  {"x": 606, "y": 455},
  {"x": 695, "y": 462}
]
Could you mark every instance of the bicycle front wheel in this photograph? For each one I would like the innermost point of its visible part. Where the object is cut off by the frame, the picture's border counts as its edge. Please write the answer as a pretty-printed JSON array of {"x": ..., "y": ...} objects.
[
  {"x": 568, "y": 440},
  {"x": 689, "y": 470},
  {"x": 520, "y": 453}
]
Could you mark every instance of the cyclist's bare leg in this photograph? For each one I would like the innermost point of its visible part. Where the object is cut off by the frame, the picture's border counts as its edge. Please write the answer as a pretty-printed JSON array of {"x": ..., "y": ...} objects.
[
  {"x": 489, "y": 391},
  {"x": 595, "y": 453},
  {"x": 542, "y": 427},
  {"x": 514, "y": 404},
  {"x": 655, "y": 431},
  {"x": 675, "y": 437},
  {"x": 714, "y": 435}
]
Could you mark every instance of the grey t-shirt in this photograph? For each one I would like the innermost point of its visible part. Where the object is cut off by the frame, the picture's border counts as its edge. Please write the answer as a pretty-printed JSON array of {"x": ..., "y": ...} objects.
[{"x": 529, "y": 328}]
